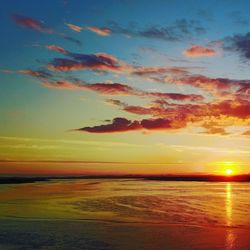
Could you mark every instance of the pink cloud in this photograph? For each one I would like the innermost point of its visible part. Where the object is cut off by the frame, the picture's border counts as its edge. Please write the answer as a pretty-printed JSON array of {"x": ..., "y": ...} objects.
[
  {"x": 28, "y": 22},
  {"x": 199, "y": 51}
]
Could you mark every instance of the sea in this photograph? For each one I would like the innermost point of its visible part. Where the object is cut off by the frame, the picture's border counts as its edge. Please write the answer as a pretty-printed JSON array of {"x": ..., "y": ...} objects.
[{"x": 125, "y": 214}]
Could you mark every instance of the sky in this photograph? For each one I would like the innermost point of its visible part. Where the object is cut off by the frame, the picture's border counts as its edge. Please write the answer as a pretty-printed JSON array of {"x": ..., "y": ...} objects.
[{"x": 124, "y": 87}]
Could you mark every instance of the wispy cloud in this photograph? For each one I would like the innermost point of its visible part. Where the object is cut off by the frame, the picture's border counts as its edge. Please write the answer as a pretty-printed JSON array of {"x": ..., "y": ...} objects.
[
  {"x": 36, "y": 25},
  {"x": 180, "y": 29},
  {"x": 35, "y": 73}
]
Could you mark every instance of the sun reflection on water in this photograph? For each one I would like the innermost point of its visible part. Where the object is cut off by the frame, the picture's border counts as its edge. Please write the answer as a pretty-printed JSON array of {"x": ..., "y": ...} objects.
[{"x": 230, "y": 237}]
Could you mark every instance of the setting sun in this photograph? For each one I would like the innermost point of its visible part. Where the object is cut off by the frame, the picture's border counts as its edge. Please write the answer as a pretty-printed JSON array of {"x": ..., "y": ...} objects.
[
  {"x": 228, "y": 171},
  {"x": 229, "y": 167}
]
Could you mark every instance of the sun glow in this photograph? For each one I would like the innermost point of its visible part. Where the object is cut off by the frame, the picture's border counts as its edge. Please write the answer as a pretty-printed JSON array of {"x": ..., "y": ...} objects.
[
  {"x": 228, "y": 171},
  {"x": 229, "y": 168}
]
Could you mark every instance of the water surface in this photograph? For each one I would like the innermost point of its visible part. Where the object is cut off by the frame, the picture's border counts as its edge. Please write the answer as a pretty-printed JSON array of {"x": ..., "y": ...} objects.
[{"x": 158, "y": 204}]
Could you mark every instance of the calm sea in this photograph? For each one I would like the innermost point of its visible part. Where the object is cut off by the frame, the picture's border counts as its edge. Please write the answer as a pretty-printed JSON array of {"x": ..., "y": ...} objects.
[
  {"x": 130, "y": 200},
  {"x": 122, "y": 214}
]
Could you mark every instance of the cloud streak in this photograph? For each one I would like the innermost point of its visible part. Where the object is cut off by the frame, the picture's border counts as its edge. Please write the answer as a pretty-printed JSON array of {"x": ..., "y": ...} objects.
[{"x": 99, "y": 31}]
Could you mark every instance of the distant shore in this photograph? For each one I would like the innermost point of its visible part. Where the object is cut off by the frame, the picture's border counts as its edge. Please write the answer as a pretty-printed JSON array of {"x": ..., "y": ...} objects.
[{"x": 206, "y": 178}]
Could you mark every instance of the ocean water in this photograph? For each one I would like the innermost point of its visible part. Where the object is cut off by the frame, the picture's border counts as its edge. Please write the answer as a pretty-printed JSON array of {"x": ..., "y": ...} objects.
[{"x": 215, "y": 206}]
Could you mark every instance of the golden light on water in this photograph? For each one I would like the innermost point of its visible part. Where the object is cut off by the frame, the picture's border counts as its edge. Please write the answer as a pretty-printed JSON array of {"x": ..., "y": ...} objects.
[{"x": 230, "y": 237}]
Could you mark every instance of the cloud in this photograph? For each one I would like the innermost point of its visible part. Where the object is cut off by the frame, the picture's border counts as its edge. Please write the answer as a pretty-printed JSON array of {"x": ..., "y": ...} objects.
[
  {"x": 214, "y": 117},
  {"x": 102, "y": 88},
  {"x": 199, "y": 51},
  {"x": 57, "y": 49},
  {"x": 179, "y": 30},
  {"x": 36, "y": 25},
  {"x": 177, "y": 96},
  {"x": 71, "y": 39},
  {"x": 99, "y": 31},
  {"x": 35, "y": 73},
  {"x": 239, "y": 43},
  {"x": 122, "y": 125},
  {"x": 99, "y": 61},
  {"x": 74, "y": 27},
  {"x": 218, "y": 87},
  {"x": 213, "y": 128},
  {"x": 30, "y": 23},
  {"x": 106, "y": 62},
  {"x": 119, "y": 89},
  {"x": 247, "y": 133},
  {"x": 118, "y": 125},
  {"x": 59, "y": 85},
  {"x": 145, "y": 71}
]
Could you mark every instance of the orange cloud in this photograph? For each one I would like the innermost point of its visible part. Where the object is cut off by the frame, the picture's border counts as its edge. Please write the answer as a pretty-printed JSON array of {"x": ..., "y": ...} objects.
[
  {"x": 74, "y": 27},
  {"x": 56, "y": 48},
  {"x": 199, "y": 51},
  {"x": 99, "y": 31}
]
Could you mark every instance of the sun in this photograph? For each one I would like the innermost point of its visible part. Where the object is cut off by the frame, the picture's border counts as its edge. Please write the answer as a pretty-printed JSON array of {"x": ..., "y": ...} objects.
[
  {"x": 228, "y": 171},
  {"x": 229, "y": 168}
]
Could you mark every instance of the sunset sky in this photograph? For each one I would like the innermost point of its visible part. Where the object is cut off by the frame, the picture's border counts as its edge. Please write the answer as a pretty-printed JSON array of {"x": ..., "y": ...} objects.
[{"x": 124, "y": 87}]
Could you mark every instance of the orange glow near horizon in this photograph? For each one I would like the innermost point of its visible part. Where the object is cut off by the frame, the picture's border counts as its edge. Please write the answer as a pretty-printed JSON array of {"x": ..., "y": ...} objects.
[{"x": 227, "y": 168}]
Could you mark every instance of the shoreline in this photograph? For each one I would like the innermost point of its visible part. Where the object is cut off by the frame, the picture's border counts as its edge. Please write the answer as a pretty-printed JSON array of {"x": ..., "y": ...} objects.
[{"x": 187, "y": 178}]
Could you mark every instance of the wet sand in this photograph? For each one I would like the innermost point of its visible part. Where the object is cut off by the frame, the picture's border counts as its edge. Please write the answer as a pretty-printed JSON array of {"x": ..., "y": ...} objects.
[{"x": 49, "y": 234}]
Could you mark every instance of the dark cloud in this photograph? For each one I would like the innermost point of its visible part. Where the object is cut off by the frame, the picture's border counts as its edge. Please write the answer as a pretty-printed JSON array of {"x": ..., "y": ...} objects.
[
  {"x": 117, "y": 125},
  {"x": 99, "y": 61},
  {"x": 239, "y": 43},
  {"x": 122, "y": 125}
]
